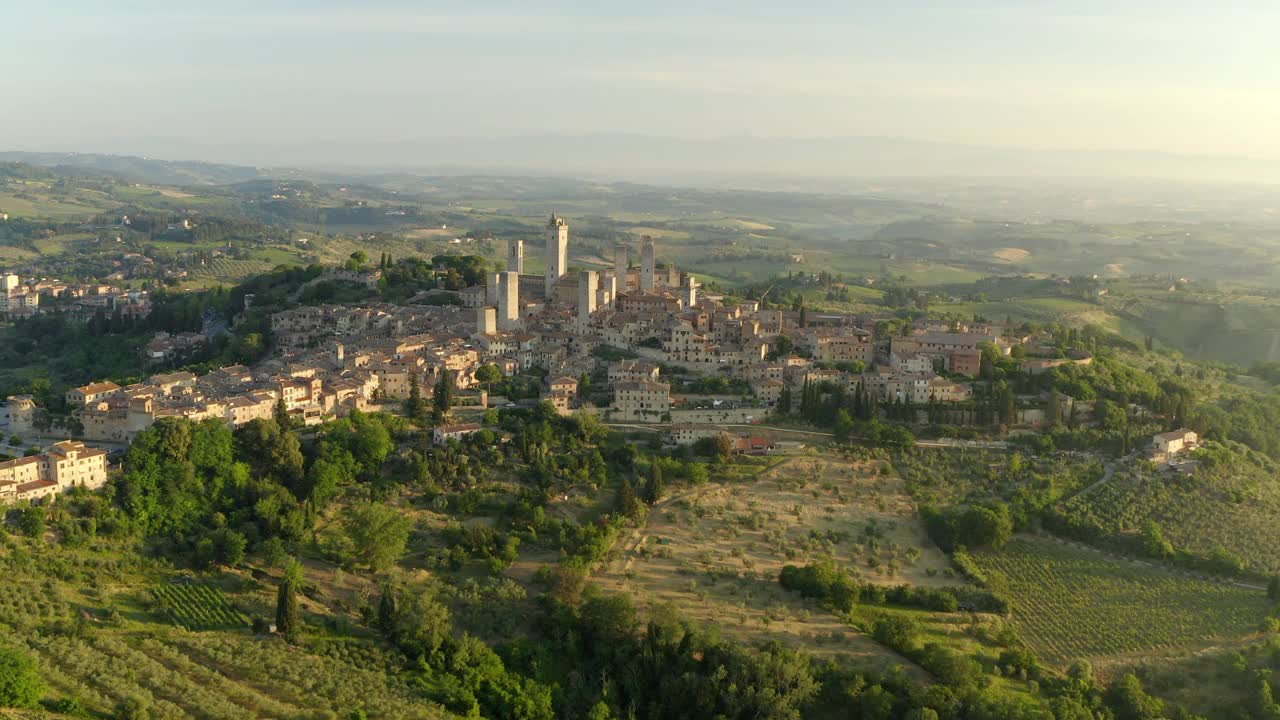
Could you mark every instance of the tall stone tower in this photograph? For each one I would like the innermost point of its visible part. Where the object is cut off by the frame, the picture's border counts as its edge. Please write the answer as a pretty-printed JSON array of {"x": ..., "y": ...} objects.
[
  {"x": 492, "y": 287},
  {"x": 620, "y": 264},
  {"x": 515, "y": 256},
  {"x": 486, "y": 320},
  {"x": 609, "y": 288},
  {"x": 647, "y": 261},
  {"x": 22, "y": 414},
  {"x": 587, "y": 286},
  {"x": 509, "y": 301},
  {"x": 690, "y": 291},
  {"x": 557, "y": 252}
]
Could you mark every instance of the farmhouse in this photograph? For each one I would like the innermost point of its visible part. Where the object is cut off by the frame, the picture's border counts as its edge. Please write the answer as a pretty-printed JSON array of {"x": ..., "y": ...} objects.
[
  {"x": 445, "y": 433},
  {"x": 1169, "y": 444},
  {"x": 64, "y": 465},
  {"x": 91, "y": 393}
]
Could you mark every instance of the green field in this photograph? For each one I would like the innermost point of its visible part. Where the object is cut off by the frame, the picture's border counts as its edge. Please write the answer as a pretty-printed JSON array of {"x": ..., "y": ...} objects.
[
  {"x": 1071, "y": 603},
  {"x": 31, "y": 204}
]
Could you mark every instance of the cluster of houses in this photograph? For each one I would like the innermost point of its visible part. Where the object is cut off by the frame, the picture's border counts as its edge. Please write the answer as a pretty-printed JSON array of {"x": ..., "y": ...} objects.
[
  {"x": 333, "y": 359},
  {"x": 24, "y": 298}
]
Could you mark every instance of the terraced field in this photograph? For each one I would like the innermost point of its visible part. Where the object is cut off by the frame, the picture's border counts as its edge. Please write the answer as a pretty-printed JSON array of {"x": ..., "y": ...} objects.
[{"x": 1071, "y": 603}]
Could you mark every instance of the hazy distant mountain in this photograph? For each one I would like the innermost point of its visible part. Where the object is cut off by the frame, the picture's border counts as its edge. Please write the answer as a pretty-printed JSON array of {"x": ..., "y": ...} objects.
[{"x": 719, "y": 161}]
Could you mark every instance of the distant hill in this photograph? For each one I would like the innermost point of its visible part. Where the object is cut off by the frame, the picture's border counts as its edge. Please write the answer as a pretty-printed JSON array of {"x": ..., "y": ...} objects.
[
  {"x": 139, "y": 169},
  {"x": 735, "y": 160}
]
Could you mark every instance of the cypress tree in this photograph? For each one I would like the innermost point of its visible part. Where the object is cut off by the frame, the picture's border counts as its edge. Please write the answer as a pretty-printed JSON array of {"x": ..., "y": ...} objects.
[
  {"x": 387, "y": 611},
  {"x": 654, "y": 486},
  {"x": 281, "y": 414},
  {"x": 442, "y": 398},
  {"x": 288, "y": 621},
  {"x": 627, "y": 504},
  {"x": 415, "y": 407}
]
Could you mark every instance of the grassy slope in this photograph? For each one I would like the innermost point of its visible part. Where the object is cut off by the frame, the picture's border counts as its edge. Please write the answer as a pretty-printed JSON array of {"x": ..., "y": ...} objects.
[{"x": 213, "y": 674}]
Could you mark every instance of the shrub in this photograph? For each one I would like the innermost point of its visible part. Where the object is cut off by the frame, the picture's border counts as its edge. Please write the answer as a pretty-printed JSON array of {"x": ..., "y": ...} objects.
[{"x": 20, "y": 682}]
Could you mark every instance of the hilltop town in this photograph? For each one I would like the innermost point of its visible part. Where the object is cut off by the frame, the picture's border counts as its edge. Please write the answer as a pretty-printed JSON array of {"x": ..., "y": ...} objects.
[
  {"x": 625, "y": 324},
  {"x": 807, "y": 455}
]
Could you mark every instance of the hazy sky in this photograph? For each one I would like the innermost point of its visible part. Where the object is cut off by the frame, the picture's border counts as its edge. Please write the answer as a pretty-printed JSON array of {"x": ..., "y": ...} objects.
[{"x": 1184, "y": 77}]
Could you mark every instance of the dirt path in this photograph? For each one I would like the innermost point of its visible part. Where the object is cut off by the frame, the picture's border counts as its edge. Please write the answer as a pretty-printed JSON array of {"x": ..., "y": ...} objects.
[{"x": 1108, "y": 471}]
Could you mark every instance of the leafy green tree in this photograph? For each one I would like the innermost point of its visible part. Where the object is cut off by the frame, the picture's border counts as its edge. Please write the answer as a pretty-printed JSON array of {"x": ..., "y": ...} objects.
[
  {"x": 843, "y": 428},
  {"x": 324, "y": 479},
  {"x": 783, "y": 346},
  {"x": 288, "y": 616},
  {"x": 1131, "y": 702},
  {"x": 1154, "y": 543},
  {"x": 271, "y": 451},
  {"x": 1264, "y": 704},
  {"x": 134, "y": 707},
  {"x": 366, "y": 441},
  {"x": 1069, "y": 708},
  {"x": 378, "y": 534},
  {"x": 488, "y": 374},
  {"x": 971, "y": 526},
  {"x": 1273, "y": 588},
  {"x": 31, "y": 521},
  {"x": 21, "y": 685},
  {"x": 723, "y": 446},
  {"x": 898, "y": 632},
  {"x": 877, "y": 703},
  {"x": 234, "y": 545},
  {"x": 422, "y": 623}
]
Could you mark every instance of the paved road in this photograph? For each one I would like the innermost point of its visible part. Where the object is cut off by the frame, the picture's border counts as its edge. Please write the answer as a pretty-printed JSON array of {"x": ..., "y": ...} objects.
[
  {"x": 665, "y": 427},
  {"x": 942, "y": 443},
  {"x": 957, "y": 443},
  {"x": 30, "y": 442}
]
